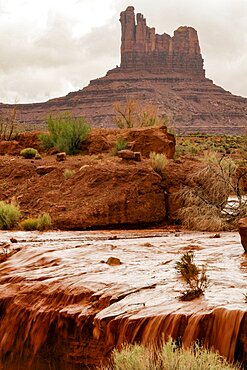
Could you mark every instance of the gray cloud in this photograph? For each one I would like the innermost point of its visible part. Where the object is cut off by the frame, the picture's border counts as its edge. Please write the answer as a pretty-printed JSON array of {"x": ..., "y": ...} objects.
[{"x": 37, "y": 64}]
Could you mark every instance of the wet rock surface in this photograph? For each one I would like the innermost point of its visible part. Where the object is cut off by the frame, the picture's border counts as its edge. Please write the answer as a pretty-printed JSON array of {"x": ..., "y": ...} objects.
[{"x": 62, "y": 308}]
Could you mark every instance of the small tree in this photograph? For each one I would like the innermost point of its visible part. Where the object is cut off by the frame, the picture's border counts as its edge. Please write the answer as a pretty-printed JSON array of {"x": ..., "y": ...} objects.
[
  {"x": 66, "y": 133},
  {"x": 8, "y": 124},
  {"x": 205, "y": 197},
  {"x": 194, "y": 277},
  {"x": 132, "y": 114}
]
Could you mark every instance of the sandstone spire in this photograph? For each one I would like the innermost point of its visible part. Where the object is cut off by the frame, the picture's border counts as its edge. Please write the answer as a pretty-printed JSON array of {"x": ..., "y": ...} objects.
[{"x": 143, "y": 49}]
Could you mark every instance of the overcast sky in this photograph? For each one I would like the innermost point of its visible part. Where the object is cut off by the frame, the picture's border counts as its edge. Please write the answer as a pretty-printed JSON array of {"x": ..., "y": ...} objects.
[{"x": 51, "y": 47}]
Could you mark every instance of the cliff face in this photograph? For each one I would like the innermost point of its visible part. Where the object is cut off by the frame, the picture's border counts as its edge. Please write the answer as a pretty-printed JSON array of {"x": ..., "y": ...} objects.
[
  {"x": 142, "y": 48},
  {"x": 159, "y": 70}
]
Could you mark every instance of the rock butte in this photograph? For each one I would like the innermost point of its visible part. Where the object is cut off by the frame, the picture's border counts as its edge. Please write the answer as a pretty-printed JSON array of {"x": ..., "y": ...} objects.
[
  {"x": 161, "y": 70},
  {"x": 64, "y": 307}
]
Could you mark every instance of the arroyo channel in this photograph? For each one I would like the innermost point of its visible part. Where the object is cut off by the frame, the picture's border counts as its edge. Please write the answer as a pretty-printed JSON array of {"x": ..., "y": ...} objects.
[{"x": 68, "y": 298}]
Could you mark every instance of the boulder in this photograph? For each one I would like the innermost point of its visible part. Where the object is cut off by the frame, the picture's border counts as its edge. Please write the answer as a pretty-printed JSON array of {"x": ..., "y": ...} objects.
[
  {"x": 43, "y": 170},
  {"x": 126, "y": 154},
  {"x": 242, "y": 225},
  {"x": 61, "y": 157}
]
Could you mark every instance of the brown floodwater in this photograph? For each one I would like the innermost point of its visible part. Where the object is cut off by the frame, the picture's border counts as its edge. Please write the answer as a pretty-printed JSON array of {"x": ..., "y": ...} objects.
[{"x": 63, "y": 307}]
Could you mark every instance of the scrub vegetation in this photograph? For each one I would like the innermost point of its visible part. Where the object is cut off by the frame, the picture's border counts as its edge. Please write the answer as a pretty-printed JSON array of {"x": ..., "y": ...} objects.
[{"x": 168, "y": 357}]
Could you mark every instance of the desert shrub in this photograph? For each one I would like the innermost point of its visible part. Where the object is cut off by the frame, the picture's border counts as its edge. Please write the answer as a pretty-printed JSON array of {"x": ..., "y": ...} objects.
[
  {"x": 168, "y": 357},
  {"x": 44, "y": 222},
  {"x": 41, "y": 223},
  {"x": 158, "y": 161},
  {"x": 29, "y": 153},
  {"x": 120, "y": 144},
  {"x": 47, "y": 141},
  {"x": 132, "y": 114},
  {"x": 65, "y": 133},
  {"x": 205, "y": 198},
  {"x": 68, "y": 173},
  {"x": 29, "y": 224},
  {"x": 194, "y": 277},
  {"x": 9, "y": 215}
]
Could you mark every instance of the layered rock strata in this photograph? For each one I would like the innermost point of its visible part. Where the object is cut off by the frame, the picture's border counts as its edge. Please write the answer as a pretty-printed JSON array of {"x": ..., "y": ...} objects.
[
  {"x": 143, "y": 49},
  {"x": 159, "y": 70}
]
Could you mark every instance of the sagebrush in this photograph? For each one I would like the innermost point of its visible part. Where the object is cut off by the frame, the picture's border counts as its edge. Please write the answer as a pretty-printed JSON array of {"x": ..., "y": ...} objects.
[
  {"x": 9, "y": 215},
  {"x": 158, "y": 161},
  {"x": 204, "y": 199},
  {"x": 41, "y": 223},
  {"x": 65, "y": 133},
  {"x": 168, "y": 357}
]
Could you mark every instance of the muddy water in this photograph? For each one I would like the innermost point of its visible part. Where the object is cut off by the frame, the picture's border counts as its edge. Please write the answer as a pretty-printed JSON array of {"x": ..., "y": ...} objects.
[{"x": 63, "y": 307}]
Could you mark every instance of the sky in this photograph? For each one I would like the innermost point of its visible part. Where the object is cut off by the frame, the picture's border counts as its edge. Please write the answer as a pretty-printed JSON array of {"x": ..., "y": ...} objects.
[{"x": 51, "y": 47}]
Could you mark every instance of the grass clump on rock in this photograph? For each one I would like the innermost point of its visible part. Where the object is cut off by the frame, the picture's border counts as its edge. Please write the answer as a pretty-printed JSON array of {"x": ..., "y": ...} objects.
[
  {"x": 29, "y": 153},
  {"x": 65, "y": 133},
  {"x": 158, "y": 161},
  {"x": 41, "y": 223},
  {"x": 168, "y": 357},
  {"x": 9, "y": 215},
  {"x": 120, "y": 144},
  {"x": 68, "y": 173}
]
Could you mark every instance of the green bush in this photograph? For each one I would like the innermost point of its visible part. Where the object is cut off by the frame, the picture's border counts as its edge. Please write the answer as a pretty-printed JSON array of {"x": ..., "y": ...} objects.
[
  {"x": 65, "y": 133},
  {"x": 158, "y": 161},
  {"x": 168, "y": 357},
  {"x": 43, "y": 222},
  {"x": 9, "y": 215},
  {"x": 120, "y": 144},
  {"x": 30, "y": 224},
  {"x": 29, "y": 153}
]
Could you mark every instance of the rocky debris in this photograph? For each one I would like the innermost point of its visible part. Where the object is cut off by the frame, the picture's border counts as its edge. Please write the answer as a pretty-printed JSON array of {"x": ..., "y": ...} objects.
[
  {"x": 138, "y": 156},
  {"x": 126, "y": 154},
  {"x": 113, "y": 261},
  {"x": 43, "y": 170},
  {"x": 143, "y": 140},
  {"x": 37, "y": 156},
  {"x": 143, "y": 49},
  {"x": 60, "y": 157},
  {"x": 242, "y": 225},
  {"x": 129, "y": 155},
  {"x": 13, "y": 240}
]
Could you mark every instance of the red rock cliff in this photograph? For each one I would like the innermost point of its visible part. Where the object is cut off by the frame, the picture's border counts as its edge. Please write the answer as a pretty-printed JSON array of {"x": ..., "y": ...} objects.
[{"x": 142, "y": 48}]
